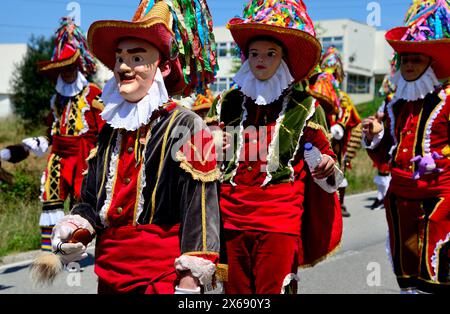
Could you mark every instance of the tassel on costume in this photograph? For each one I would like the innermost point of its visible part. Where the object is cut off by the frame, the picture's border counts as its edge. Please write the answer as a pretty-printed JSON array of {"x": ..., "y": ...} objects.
[{"x": 47, "y": 266}]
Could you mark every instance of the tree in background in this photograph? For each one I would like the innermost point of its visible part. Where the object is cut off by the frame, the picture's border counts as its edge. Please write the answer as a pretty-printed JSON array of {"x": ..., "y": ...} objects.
[{"x": 31, "y": 92}]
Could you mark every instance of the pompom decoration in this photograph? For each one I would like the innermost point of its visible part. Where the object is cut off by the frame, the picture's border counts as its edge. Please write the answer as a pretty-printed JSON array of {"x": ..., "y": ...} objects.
[
  {"x": 193, "y": 28},
  {"x": 69, "y": 33}
]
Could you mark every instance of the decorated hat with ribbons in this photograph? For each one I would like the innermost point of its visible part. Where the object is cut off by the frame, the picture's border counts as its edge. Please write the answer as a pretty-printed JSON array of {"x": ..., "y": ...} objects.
[
  {"x": 70, "y": 48},
  {"x": 427, "y": 32},
  {"x": 331, "y": 62}
]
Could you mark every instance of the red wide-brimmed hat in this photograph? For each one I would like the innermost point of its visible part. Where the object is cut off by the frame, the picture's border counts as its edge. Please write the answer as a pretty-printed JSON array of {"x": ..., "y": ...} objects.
[
  {"x": 154, "y": 26},
  {"x": 426, "y": 31},
  {"x": 192, "y": 52},
  {"x": 67, "y": 57},
  {"x": 288, "y": 23},
  {"x": 438, "y": 50}
]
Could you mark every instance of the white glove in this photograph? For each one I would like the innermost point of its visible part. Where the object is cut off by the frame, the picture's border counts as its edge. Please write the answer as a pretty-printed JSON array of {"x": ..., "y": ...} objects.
[
  {"x": 5, "y": 154},
  {"x": 337, "y": 132},
  {"x": 69, "y": 252},
  {"x": 186, "y": 291},
  {"x": 38, "y": 145}
]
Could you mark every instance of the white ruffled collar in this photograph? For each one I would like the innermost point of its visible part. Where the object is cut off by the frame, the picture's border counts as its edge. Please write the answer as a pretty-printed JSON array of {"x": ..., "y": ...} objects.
[
  {"x": 72, "y": 89},
  {"x": 263, "y": 92},
  {"x": 121, "y": 114},
  {"x": 414, "y": 90}
]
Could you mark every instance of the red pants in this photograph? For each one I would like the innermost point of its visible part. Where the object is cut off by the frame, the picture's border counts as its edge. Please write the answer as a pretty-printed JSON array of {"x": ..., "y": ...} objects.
[
  {"x": 418, "y": 215},
  {"x": 63, "y": 175},
  {"x": 258, "y": 262},
  {"x": 137, "y": 259}
]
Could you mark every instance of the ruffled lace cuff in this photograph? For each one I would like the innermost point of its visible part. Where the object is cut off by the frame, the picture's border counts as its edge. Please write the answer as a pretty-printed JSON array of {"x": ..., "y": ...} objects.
[
  {"x": 200, "y": 268},
  {"x": 375, "y": 141}
]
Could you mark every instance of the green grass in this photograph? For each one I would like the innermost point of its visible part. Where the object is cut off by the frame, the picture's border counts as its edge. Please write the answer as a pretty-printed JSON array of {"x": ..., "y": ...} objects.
[
  {"x": 369, "y": 108},
  {"x": 19, "y": 203},
  {"x": 360, "y": 177}
]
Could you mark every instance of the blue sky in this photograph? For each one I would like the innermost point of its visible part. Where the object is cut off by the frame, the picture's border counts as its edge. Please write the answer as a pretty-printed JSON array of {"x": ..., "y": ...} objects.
[{"x": 21, "y": 18}]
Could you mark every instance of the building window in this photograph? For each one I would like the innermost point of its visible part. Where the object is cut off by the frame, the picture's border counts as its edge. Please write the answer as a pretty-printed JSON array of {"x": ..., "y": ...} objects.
[
  {"x": 222, "y": 49},
  {"x": 221, "y": 84},
  {"x": 337, "y": 42},
  {"x": 358, "y": 84},
  {"x": 226, "y": 49}
]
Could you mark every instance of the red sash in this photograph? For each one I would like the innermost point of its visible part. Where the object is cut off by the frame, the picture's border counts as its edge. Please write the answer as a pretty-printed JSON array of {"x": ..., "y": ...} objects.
[
  {"x": 430, "y": 185},
  {"x": 134, "y": 256},
  {"x": 66, "y": 146}
]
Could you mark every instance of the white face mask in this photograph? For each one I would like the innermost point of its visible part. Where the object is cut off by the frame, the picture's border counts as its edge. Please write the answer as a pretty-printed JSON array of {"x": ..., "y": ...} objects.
[
  {"x": 414, "y": 90},
  {"x": 263, "y": 92}
]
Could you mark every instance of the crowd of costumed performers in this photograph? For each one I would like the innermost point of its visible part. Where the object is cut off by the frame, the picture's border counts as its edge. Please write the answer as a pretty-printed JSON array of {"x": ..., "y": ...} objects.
[
  {"x": 275, "y": 217},
  {"x": 74, "y": 124},
  {"x": 239, "y": 191},
  {"x": 415, "y": 141}
]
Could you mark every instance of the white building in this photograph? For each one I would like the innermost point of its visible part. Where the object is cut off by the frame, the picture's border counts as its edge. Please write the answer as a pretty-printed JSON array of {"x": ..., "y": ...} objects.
[
  {"x": 365, "y": 55},
  {"x": 12, "y": 54}
]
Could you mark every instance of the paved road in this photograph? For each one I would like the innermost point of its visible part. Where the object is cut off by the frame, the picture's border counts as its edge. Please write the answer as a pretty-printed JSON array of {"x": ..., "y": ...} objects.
[{"x": 360, "y": 266}]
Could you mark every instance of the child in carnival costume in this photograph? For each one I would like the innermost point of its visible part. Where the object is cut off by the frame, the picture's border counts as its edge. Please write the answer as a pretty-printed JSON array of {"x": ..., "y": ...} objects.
[
  {"x": 416, "y": 130},
  {"x": 150, "y": 194},
  {"x": 74, "y": 124},
  {"x": 276, "y": 218},
  {"x": 346, "y": 124}
]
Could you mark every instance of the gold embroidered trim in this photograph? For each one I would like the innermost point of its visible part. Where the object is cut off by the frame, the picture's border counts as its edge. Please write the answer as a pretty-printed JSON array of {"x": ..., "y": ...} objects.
[
  {"x": 210, "y": 176},
  {"x": 222, "y": 272},
  {"x": 92, "y": 153},
  {"x": 161, "y": 163},
  {"x": 98, "y": 104},
  {"x": 317, "y": 126},
  {"x": 196, "y": 253},
  {"x": 211, "y": 119},
  {"x": 337, "y": 248},
  {"x": 104, "y": 164},
  {"x": 60, "y": 64},
  {"x": 446, "y": 151},
  {"x": 204, "y": 216}
]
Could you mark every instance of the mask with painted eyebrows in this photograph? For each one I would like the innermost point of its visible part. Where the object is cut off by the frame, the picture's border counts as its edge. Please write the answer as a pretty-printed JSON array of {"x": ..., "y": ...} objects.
[{"x": 136, "y": 65}]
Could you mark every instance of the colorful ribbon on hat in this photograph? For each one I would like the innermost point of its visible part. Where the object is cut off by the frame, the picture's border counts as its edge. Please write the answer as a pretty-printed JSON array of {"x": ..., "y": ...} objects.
[
  {"x": 193, "y": 29},
  {"x": 428, "y": 20},
  {"x": 284, "y": 13}
]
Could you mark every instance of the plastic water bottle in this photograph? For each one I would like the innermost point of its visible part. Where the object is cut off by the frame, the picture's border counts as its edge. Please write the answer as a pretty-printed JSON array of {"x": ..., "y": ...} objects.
[{"x": 313, "y": 158}]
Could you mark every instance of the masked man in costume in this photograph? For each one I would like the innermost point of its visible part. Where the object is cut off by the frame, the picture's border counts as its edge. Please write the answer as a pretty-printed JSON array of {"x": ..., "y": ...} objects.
[
  {"x": 74, "y": 124},
  {"x": 345, "y": 125},
  {"x": 150, "y": 193},
  {"x": 276, "y": 218},
  {"x": 416, "y": 139}
]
